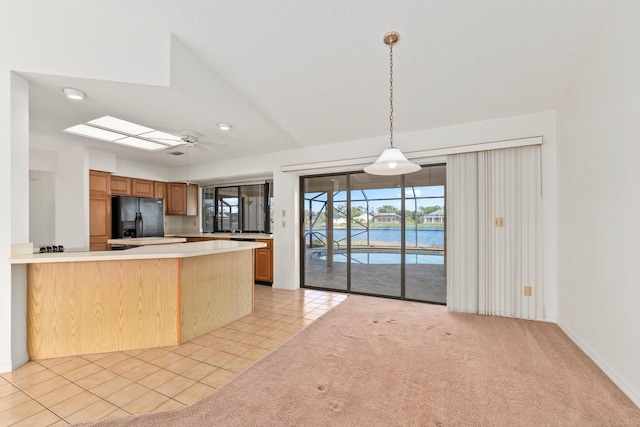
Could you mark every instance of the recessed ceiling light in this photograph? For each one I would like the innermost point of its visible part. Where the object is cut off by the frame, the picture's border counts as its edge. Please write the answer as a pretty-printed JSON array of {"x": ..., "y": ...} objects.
[
  {"x": 224, "y": 126},
  {"x": 72, "y": 93}
]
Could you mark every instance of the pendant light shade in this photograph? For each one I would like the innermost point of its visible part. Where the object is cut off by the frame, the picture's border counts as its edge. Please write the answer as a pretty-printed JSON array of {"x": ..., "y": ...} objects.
[{"x": 391, "y": 161}]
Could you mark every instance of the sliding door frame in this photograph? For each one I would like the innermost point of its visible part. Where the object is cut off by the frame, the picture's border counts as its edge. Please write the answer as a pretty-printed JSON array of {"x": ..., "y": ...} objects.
[{"x": 302, "y": 237}]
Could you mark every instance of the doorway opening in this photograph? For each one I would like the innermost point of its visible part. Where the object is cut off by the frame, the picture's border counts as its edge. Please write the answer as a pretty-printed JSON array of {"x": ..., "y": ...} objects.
[{"x": 376, "y": 235}]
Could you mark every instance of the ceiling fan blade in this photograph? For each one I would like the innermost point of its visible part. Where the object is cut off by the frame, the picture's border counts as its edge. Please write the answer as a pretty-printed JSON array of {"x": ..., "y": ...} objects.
[
  {"x": 213, "y": 144},
  {"x": 203, "y": 148}
]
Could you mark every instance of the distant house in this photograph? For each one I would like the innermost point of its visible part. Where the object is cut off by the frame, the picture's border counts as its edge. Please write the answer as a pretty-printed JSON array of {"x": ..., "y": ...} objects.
[
  {"x": 339, "y": 221},
  {"x": 386, "y": 217},
  {"x": 435, "y": 217},
  {"x": 364, "y": 218}
]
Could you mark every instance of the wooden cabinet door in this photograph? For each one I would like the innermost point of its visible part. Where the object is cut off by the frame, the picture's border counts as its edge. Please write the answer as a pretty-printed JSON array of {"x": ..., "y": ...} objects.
[
  {"x": 176, "y": 198},
  {"x": 192, "y": 200},
  {"x": 160, "y": 192},
  {"x": 99, "y": 182},
  {"x": 182, "y": 199},
  {"x": 120, "y": 185},
  {"x": 99, "y": 222},
  {"x": 142, "y": 188},
  {"x": 264, "y": 262}
]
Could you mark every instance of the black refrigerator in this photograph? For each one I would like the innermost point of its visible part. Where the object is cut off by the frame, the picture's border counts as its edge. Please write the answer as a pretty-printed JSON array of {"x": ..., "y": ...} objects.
[{"x": 136, "y": 217}]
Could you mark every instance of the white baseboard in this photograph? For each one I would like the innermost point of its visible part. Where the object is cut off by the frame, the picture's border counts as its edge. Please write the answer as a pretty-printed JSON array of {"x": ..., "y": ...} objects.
[
  {"x": 617, "y": 379},
  {"x": 15, "y": 363}
]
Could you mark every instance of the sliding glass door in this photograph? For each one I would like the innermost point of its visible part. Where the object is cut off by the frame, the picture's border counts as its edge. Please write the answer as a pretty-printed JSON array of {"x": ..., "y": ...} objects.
[
  {"x": 376, "y": 235},
  {"x": 375, "y": 245},
  {"x": 325, "y": 232}
]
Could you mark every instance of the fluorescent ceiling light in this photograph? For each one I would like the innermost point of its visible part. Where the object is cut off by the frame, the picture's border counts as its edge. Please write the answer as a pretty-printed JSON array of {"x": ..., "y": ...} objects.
[
  {"x": 120, "y": 125},
  {"x": 93, "y": 132},
  {"x": 140, "y": 143},
  {"x": 122, "y": 132},
  {"x": 163, "y": 138}
]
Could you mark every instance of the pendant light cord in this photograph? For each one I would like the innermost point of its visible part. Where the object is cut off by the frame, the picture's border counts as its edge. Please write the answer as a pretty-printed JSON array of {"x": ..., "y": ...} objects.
[
  {"x": 187, "y": 163},
  {"x": 391, "y": 92}
]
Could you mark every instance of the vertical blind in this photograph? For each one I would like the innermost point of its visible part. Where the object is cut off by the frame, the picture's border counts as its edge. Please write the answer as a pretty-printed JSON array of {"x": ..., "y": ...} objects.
[{"x": 494, "y": 232}]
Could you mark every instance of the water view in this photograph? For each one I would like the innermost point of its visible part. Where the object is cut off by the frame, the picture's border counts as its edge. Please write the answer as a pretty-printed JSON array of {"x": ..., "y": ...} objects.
[
  {"x": 424, "y": 236},
  {"x": 387, "y": 258}
]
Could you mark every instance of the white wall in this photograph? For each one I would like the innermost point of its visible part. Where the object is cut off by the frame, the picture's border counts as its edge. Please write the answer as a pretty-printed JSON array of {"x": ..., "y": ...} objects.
[
  {"x": 72, "y": 199},
  {"x": 42, "y": 212},
  {"x": 599, "y": 203}
]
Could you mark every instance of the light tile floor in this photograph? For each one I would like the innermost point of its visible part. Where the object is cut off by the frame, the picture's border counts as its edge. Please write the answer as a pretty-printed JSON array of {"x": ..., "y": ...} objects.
[{"x": 63, "y": 391}]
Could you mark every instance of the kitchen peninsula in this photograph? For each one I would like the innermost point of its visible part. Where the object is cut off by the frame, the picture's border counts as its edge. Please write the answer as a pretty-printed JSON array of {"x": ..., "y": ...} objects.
[{"x": 149, "y": 296}]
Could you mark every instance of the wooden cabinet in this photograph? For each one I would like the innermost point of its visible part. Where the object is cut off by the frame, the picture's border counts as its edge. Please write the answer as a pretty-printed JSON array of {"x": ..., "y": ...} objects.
[
  {"x": 99, "y": 222},
  {"x": 182, "y": 199},
  {"x": 264, "y": 262},
  {"x": 120, "y": 185},
  {"x": 99, "y": 182},
  {"x": 99, "y": 210},
  {"x": 142, "y": 188},
  {"x": 160, "y": 192},
  {"x": 192, "y": 200},
  {"x": 196, "y": 239}
]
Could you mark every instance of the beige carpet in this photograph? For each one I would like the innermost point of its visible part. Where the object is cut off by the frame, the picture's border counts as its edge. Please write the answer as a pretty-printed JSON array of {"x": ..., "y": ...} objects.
[{"x": 380, "y": 362}]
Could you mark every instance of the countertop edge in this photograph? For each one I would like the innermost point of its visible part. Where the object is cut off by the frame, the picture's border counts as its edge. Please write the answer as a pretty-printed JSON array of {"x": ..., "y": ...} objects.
[
  {"x": 177, "y": 250},
  {"x": 224, "y": 235}
]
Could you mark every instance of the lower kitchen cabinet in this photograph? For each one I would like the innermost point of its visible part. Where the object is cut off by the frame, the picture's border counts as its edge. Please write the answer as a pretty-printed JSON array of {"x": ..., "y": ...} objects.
[
  {"x": 264, "y": 262},
  {"x": 99, "y": 222}
]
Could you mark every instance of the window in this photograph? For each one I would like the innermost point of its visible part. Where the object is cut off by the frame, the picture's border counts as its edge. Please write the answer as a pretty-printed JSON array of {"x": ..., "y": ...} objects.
[{"x": 237, "y": 208}]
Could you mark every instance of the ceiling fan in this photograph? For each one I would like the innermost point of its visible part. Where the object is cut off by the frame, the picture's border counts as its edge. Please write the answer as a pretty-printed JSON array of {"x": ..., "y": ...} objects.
[{"x": 191, "y": 139}]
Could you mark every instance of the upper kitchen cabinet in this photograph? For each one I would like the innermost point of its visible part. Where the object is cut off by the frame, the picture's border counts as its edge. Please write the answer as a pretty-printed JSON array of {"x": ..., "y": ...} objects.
[
  {"x": 159, "y": 190},
  {"x": 99, "y": 210},
  {"x": 99, "y": 182},
  {"x": 182, "y": 199},
  {"x": 120, "y": 186},
  {"x": 142, "y": 188}
]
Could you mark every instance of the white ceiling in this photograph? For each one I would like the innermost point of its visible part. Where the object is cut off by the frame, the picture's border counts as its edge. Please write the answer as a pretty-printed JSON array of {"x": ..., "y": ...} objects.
[{"x": 318, "y": 70}]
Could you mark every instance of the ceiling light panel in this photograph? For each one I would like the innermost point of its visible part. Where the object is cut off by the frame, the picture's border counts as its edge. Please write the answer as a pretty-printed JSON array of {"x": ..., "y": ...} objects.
[
  {"x": 163, "y": 137},
  {"x": 93, "y": 132},
  {"x": 140, "y": 143},
  {"x": 120, "y": 125}
]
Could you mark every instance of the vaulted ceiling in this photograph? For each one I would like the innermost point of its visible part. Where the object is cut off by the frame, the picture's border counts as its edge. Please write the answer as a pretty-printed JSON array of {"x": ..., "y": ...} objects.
[{"x": 318, "y": 70}]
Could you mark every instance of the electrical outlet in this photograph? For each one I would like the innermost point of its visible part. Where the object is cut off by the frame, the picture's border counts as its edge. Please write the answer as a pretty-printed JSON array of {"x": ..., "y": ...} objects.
[
  {"x": 499, "y": 221},
  {"x": 528, "y": 290}
]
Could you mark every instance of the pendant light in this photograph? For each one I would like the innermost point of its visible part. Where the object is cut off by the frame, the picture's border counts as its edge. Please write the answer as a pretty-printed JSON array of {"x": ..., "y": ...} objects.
[{"x": 391, "y": 161}]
